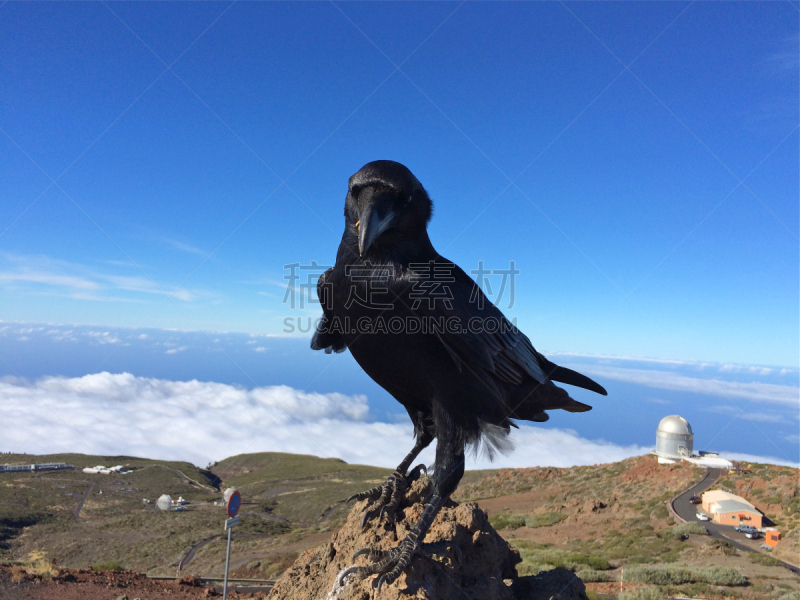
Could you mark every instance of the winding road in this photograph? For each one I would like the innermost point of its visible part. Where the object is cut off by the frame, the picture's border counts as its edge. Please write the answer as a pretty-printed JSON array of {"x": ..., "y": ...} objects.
[{"x": 687, "y": 512}]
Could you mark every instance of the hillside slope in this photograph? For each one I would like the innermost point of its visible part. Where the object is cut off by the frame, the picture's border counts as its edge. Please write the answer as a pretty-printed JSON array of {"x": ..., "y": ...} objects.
[{"x": 591, "y": 519}]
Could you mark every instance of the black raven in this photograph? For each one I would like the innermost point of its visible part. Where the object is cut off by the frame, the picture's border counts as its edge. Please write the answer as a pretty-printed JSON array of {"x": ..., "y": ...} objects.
[{"x": 425, "y": 332}]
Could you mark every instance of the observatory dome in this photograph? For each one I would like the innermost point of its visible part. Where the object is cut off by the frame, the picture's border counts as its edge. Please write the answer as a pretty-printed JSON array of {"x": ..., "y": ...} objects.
[
  {"x": 674, "y": 439},
  {"x": 675, "y": 424}
]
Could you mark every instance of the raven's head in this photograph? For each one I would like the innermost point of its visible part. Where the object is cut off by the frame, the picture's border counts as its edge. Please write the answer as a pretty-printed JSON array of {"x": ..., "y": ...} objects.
[{"x": 384, "y": 196}]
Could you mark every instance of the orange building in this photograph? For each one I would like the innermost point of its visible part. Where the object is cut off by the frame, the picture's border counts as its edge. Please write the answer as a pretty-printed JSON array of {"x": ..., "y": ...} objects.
[
  {"x": 729, "y": 509},
  {"x": 772, "y": 537}
]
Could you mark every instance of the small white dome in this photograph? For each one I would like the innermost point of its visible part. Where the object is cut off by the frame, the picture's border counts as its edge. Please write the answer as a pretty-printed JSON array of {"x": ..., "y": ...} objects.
[{"x": 675, "y": 424}]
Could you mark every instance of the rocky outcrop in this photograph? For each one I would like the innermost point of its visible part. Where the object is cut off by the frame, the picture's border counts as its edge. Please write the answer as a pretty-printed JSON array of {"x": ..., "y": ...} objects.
[{"x": 486, "y": 570}]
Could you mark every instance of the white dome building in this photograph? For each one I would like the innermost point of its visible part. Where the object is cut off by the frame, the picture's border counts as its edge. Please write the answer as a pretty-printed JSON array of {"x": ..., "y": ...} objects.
[{"x": 674, "y": 439}]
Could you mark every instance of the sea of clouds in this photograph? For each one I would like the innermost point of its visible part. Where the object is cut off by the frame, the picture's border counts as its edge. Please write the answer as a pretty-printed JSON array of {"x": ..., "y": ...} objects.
[{"x": 202, "y": 422}]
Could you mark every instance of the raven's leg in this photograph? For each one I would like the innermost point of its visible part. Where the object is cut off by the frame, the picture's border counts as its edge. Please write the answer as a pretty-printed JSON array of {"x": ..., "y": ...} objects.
[
  {"x": 391, "y": 491},
  {"x": 449, "y": 470}
]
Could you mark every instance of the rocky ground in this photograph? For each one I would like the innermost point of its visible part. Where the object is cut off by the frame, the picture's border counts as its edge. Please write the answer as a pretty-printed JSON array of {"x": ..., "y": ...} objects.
[
  {"x": 26, "y": 583},
  {"x": 591, "y": 520},
  {"x": 485, "y": 569}
]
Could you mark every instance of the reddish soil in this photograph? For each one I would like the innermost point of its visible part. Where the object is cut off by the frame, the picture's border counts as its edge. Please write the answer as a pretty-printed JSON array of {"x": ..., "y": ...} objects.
[{"x": 80, "y": 584}]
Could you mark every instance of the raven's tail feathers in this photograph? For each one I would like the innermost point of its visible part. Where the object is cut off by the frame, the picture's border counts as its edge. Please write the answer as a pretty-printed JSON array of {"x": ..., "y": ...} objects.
[
  {"x": 493, "y": 440},
  {"x": 564, "y": 375}
]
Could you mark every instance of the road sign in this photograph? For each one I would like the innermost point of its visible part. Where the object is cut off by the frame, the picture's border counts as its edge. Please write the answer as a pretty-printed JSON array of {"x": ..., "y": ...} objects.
[{"x": 233, "y": 500}]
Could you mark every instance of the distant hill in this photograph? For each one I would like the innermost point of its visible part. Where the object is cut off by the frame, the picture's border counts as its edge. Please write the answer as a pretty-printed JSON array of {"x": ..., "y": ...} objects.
[{"x": 592, "y": 519}]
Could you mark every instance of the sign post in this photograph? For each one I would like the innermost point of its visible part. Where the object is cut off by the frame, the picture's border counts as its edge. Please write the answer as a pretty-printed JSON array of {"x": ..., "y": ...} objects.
[{"x": 233, "y": 501}]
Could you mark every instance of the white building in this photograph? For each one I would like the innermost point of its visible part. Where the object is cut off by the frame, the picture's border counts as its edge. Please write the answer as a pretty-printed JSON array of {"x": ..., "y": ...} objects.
[
  {"x": 675, "y": 442},
  {"x": 674, "y": 439}
]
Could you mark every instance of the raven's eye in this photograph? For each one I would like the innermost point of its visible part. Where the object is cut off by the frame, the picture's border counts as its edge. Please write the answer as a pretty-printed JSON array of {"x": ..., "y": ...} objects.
[{"x": 410, "y": 196}]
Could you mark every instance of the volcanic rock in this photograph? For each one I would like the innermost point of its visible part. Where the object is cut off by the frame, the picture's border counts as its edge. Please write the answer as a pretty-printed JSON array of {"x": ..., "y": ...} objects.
[{"x": 486, "y": 570}]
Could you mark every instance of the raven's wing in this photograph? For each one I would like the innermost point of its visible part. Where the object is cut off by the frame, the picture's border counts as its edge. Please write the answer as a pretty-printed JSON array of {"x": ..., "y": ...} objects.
[
  {"x": 327, "y": 336},
  {"x": 485, "y": 339}
]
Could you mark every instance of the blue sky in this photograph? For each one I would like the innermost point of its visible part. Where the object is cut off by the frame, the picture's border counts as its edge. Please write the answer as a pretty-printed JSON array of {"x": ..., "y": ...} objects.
[{"x": 161, "y": 163}]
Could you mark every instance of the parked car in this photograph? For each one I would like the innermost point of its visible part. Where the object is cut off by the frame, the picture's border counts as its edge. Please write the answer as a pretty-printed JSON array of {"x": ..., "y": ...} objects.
[
  {"x": 695, "y": 500},
  {"x": 746, "y": 529},
  {"x": 702, "y": 516},
  {"x": 752, "y": 535}
]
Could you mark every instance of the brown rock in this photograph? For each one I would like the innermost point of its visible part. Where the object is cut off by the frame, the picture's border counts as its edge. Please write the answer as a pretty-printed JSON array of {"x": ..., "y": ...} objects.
[{"x": 487, "y": 560}]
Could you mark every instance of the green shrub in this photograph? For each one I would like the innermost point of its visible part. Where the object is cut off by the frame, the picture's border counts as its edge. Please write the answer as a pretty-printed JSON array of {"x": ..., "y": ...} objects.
[
  {"x": 111, "y": 565},
  {"x": 718, "y": 575},
  {"x": 763, "y": 559},
  {"x": 529, "y": 568},
  {"x": 539, "y": 557},
  {"x": 726, "y": 547},
  {"x": 592, "y": 575},
  {"x": 544, "y": 519},
  {"x": 660, "y": 512},
  {"x": 647, "y": 593},
  {"x": 507, "y": 521},
  {"x": 684, "y": 530},
  {"x": 677, "y": 575}
]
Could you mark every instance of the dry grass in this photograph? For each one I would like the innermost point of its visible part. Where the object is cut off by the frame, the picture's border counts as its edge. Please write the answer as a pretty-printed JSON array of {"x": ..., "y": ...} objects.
[{"x": 36, "y": 565}]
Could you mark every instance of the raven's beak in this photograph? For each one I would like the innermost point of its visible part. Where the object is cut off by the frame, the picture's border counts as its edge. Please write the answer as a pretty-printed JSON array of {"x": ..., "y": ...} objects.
[{"x": 371, "y": 224}]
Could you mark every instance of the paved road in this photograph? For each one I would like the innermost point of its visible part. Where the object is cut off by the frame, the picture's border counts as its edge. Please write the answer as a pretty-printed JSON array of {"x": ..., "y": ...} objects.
[
  {"x": 190, "y": 553},
  {"x": 688, "y": 511},
  {"x": 77, "y": 513},
  {"x": 681, "y": 504}
]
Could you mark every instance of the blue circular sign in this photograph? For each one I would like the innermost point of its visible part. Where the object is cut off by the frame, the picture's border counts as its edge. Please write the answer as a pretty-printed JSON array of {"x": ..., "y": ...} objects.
[{"x": 233, "y": 504}]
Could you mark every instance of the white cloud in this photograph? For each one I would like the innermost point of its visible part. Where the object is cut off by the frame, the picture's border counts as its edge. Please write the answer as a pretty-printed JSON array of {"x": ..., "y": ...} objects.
[
  {"x": 103, "y": 337},
  {"x": 147, "y": 286},
  {"x": 657, "y": 401},
  {"x": 746, "y": 369},
  {"x": 176, "y": 350},
  {"x": 80, "y": 279},
  {"x": 260, "y": 349},
  {"x": 203, "y": 421},
  {"x": 771, "y": 460},
  {"x": 667, "y": 380},
  {"x": 49, "y": 279},
  {"x": 676, "y": 363},
  {"x": 760, "y": 417},
  {"x": 186, "y": 247}
]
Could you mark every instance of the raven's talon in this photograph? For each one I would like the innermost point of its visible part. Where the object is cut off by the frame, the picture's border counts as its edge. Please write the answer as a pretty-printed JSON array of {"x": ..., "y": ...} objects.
[
  {"x": 374, "y": 555},
  {"x": 346, "y": 573},
  {"x": 391, "y": 494},
  {"x": 415, "y": 473},
  {"x": 395, "y": 563},
  {"x": 389, "y": 514},
  {"x": 381, "y": 580},
  {"x": 369, "y": 494},
  {"x": 367, "y": 516},
  {"x": 358, "y": 553}
]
